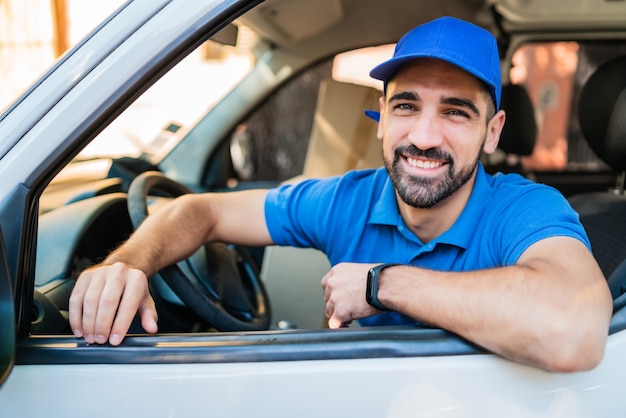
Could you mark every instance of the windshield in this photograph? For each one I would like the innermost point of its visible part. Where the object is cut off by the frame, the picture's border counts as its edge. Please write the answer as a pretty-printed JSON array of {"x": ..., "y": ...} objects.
[{"x": 149, "y": 126}]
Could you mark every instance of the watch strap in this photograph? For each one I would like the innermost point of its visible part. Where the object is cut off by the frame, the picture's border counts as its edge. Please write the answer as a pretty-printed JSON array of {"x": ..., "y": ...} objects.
[{"x": 371, "y": 292}]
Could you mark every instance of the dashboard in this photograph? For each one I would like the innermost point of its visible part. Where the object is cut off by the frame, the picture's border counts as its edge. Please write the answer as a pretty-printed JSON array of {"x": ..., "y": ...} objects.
[{"x": 70, "y": 239}]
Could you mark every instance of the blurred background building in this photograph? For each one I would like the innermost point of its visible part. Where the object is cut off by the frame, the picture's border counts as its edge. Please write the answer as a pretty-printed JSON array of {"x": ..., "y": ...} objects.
[{"x": 35, "y": 32}]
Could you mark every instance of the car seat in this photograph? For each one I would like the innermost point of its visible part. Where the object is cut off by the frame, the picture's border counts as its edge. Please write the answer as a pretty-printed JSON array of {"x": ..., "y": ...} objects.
[
  {"x": 342, "y": 139},
  {"x": 617, "y": 285},
  {"x": 602, "y": 117},
  {"x": 519, "y": 134}
]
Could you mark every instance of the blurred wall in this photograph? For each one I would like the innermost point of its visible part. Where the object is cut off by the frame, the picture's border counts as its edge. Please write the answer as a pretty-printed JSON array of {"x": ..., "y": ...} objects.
[
  {"x": 26, "y": 44},
  {"x": 33, "y": 33}
]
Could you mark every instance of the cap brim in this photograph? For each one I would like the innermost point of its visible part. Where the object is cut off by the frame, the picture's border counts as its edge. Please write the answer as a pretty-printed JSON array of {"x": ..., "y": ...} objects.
[{"x": 372, "y": 114}]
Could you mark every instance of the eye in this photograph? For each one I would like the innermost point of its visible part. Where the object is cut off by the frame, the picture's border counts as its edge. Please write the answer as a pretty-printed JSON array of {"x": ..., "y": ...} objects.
[
  {"x": 402, "y": 108},
  {"x": 457, "y": 113}
]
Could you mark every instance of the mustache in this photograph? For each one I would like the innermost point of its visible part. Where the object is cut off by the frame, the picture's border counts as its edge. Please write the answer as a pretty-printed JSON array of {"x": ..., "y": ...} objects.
[{"x": 432, "y": 153}]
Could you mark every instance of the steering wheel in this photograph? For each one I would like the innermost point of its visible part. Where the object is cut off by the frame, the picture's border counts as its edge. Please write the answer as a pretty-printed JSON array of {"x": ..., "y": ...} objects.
[{"x": 219, "y": 282}]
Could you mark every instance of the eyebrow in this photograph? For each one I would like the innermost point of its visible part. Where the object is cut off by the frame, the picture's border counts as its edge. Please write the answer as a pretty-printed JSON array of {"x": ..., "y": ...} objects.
[
  {"x": 405, "y": 95},
  {"x": 455, "y": 101}
]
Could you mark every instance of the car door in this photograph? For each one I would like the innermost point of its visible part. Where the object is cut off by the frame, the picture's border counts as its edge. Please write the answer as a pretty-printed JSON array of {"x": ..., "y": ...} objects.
[{"x": 7, "y": 317}]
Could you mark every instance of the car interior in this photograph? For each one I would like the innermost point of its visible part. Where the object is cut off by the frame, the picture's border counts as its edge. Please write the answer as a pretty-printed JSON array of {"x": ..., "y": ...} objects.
[
  {"x": 278, "y": 288},
  {"x": 600, "y": 110}
]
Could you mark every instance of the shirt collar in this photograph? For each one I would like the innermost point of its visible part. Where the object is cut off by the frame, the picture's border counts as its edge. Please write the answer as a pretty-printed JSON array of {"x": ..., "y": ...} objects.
[
  {"x": 386, "y": 212},
  {"x": 462, "y": 231}
]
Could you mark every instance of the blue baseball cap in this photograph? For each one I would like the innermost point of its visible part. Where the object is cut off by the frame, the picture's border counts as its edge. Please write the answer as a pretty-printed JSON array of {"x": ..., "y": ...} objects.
[{"x": 456, "y": 41}]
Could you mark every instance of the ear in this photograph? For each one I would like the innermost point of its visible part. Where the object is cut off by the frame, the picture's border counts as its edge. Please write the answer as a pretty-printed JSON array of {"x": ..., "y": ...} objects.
[
  {"x": 494, "y": 129},
  {"x": 381, "y": 107}
]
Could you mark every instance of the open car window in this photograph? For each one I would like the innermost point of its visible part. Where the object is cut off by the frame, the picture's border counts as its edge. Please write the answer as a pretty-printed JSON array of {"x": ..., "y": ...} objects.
[
  {"x": 554, "y": 151},
  {"x": 281, "y": 139}
]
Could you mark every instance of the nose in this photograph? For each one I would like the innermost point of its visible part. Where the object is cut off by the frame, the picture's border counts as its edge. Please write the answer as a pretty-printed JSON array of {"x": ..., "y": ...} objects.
[{"x": 425, "y": 131}]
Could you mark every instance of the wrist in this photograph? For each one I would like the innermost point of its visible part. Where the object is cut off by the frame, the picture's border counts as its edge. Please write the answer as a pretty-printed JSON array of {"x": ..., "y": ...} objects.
[
  {"x": 115, "y": 258},
  {"x": 373, "y": 282}
]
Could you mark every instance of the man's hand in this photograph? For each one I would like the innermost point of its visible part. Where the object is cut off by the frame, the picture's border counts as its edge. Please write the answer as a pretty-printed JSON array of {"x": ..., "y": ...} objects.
[
  {"x": 105, "y": 300},
  {"x": 344, "y": 293}
]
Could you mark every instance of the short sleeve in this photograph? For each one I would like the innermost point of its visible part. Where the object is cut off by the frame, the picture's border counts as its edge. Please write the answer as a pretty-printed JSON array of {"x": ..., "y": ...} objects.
[
  {"x": 537, "y": 213},
  {"x": 295, "y": 214}
]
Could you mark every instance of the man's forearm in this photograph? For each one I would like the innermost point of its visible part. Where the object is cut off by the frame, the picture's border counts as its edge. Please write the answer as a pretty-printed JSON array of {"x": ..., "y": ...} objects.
[
  {"x": 538, "y": 314},
  {"x": 169, "y": 235}
]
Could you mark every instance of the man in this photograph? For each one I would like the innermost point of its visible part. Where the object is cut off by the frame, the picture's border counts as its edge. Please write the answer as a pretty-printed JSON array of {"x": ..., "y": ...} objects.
[{"x": 498, "y": 260}]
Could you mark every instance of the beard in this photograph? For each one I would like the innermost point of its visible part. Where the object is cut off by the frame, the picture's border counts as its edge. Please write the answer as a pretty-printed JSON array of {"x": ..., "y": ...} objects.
[{"x": 426, "y": 192}]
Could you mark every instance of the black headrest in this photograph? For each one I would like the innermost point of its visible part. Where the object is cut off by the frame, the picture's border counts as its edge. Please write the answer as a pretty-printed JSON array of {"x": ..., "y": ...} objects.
[
  {"x": 520, "y": 129},
  {"x": 602, "y": 112}
]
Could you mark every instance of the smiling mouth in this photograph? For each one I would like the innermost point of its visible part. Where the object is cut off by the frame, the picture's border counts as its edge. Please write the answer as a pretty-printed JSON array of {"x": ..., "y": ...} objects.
[{"x": 424, "y": 164}]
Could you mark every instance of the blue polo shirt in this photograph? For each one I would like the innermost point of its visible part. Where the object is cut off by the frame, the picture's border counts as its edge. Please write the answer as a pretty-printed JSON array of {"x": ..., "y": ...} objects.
[{"x": 355, "y": 218}]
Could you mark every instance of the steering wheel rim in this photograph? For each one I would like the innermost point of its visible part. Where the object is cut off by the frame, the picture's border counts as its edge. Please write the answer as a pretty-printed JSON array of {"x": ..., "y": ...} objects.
[{"x": 226, "y": 261}]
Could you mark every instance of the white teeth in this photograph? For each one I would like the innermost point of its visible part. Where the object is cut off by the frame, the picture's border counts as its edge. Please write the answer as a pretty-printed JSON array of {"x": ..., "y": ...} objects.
[{"x": 424, "y": 164}]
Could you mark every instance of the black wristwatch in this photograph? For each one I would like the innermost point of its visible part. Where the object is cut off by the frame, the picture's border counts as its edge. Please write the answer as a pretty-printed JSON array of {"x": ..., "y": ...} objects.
[{"x": 371, "y": 293}]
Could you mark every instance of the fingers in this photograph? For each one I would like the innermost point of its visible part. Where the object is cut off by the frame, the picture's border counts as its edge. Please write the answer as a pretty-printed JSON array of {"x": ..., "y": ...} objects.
[
  {"x": 101, "y": 304},
  {"x": 76, "y": 306},
  {"x": 337, "y": 318},
  {"x": 333, "y": 304},
  {"x": 344, "y": 294},
  {"x": 106, "y": 299},
  {"x": 84, "y": 305},
  {"x": 325, "y": 286},
  {"x": 134, "y": 299},
  {"x": 148, "y": 315},
  {"x": 335, "y": 323}
]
